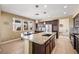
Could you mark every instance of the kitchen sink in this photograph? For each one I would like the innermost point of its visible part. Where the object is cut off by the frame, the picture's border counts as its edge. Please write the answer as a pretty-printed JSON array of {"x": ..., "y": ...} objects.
[{"x": 46, "y": 34}]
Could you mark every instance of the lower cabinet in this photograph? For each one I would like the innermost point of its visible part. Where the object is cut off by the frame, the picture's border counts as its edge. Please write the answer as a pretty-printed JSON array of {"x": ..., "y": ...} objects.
[
  {"x": 75, "y": 42},
  {"x": 45, "y": 48},
  {"x": 51, "y": 45}
]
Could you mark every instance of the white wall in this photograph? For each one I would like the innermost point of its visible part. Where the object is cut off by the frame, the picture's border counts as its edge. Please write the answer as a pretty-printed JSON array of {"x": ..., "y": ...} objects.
[{"x": 64, "y": 30}]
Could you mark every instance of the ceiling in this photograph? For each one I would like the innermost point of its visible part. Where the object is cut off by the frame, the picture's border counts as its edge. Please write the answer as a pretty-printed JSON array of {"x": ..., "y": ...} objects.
[{"x": 45, "y": 11}]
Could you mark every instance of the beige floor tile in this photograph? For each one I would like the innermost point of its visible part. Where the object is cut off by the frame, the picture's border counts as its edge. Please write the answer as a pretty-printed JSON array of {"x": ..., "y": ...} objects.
[
  {"x": 63, "y": 46},
  {"x": 16, "y": 47}
]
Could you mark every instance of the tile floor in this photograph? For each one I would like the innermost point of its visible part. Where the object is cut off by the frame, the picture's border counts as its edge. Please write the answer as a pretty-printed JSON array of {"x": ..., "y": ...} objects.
[
  {"x": 16, "y": 47},
  {"x": 63, "y": 46}
]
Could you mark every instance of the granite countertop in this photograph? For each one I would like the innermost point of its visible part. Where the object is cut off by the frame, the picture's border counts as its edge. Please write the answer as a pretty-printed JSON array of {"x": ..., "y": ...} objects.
[
  {"x": 38, "y": 38},
  {"x": 77, "y": 36}
]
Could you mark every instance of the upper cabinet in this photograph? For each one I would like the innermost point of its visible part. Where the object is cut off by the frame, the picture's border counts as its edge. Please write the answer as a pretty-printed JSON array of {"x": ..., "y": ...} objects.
[
  {"x": 76, "y": 21},
  {"x": 52, "y": 25}
]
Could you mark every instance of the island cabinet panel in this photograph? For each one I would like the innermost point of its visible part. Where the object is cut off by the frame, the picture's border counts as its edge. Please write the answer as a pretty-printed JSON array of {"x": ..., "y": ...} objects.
[
  {"x": 45, "y": 48},
  {"x": 51, "y": 46},
  {"x": 52, "y": 43},
  {"x": 38, "y": 49}
]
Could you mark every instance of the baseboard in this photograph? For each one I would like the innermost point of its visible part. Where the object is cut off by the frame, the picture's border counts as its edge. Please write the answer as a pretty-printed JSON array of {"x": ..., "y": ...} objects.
[{"x": 9, "y": 41}]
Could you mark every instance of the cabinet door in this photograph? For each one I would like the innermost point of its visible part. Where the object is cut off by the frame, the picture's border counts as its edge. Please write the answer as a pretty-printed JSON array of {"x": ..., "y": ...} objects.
[
  {"x": 77, "y": 45},
  {"x": 76, "y": 21},
  {"x": 53, "y": 43},
  {"x": 48, "y": 49},
  {"x": 75, "y": 41},
  {"x": 51, "y": 46},
  {"x": 38, "y": 49}
]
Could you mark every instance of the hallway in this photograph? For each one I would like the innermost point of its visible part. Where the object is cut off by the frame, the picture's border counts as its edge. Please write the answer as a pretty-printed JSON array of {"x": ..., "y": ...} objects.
[{"x": 63, "y": 46}]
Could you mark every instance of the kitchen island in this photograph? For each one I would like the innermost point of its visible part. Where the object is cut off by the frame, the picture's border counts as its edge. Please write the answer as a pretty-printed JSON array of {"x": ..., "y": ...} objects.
[{"x": 41, "y": 43}]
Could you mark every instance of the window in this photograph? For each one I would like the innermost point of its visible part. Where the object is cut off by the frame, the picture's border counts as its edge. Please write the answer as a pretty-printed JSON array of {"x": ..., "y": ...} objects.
[
  {"x": 25, "y": 25},
  {"x": 17, "y": 24}
]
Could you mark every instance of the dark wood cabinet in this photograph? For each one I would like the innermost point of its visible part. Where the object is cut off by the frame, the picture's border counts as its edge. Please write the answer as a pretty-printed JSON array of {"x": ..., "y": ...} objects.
[
  {"x": 51, "y": 45},
  {"x": 54, "y": 23},
  {"x": 45, "y": 48},
  {"x": 76, "y": 21},
  {"x": 37, "y": 48},
  {"x": 73, "y": 40},
  {"x": 76, "y": 42}
]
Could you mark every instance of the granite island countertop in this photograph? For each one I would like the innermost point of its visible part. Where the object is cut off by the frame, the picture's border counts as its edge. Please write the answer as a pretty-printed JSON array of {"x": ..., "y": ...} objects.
[{"x": 38, "y": 38}]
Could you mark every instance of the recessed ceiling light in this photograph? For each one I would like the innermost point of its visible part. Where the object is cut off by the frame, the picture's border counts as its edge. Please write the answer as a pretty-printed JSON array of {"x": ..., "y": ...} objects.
[
  {"x": 36, "y": 6},
  {"x": 45, "y": 6},
  {"x": 65, "y": 12},
  {"x": 65, "y": 6},
  {"x": 45, "y": 12},
  {"x": 37, "y": 14}
]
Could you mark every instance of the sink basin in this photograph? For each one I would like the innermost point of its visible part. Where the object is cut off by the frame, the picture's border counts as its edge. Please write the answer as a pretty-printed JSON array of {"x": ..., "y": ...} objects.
[
  {"x": 46, "y": 35},
  {"x": 27, "y": 34}
]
